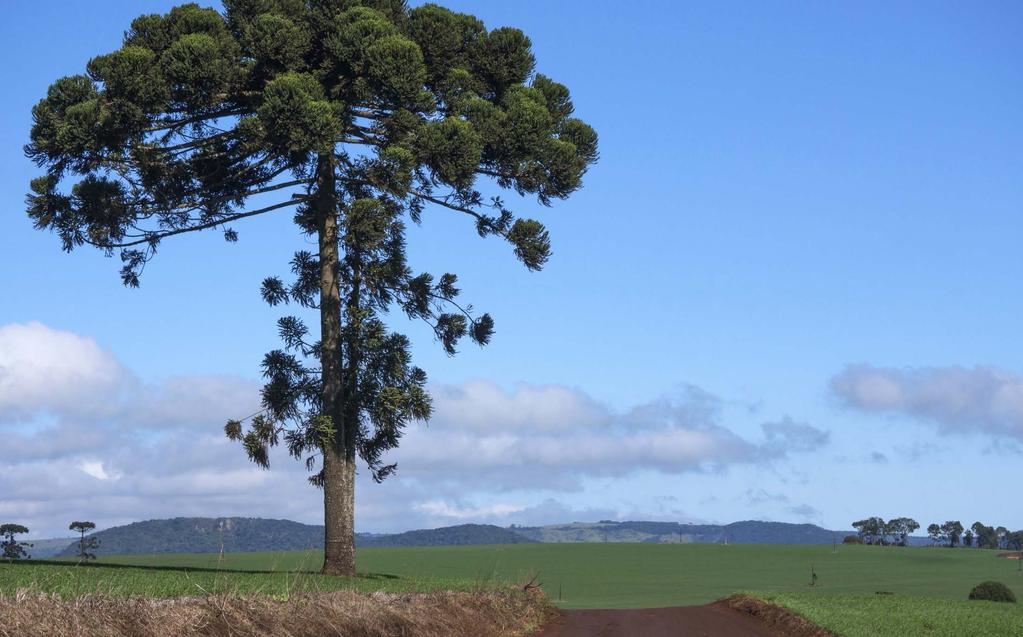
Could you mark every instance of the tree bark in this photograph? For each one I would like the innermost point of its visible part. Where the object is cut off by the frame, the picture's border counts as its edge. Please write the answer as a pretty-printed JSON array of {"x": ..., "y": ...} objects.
[{"x": 338, "y": 459}]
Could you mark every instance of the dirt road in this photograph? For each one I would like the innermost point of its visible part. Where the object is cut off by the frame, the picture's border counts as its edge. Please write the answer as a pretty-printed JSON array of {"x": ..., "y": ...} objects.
[{"x": 712, "y": 620}]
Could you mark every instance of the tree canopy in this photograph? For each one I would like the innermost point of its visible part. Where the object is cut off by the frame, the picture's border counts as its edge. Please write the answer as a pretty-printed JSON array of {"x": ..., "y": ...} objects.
[
  {"x": 357, "y": 117},
  {"x": 199, "y": 111},
  {"x": 10, "y": 548},
  {"x": 85, "y": 544}
]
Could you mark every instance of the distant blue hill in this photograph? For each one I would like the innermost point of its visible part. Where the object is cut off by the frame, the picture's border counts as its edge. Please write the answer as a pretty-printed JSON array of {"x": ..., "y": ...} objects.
[
  {"x": 42, "y": 549},
  {"x": 211, "y": 535}
]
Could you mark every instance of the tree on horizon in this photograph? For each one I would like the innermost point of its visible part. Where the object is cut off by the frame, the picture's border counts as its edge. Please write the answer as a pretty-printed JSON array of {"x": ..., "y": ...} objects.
[
  {"x": 85, "y": 544},
  {"x": 10, "y": 548},
  {"x": 952, "y": 531},
  {"x": 354, "y": 116},
  {"x": 871, "y": 530}
]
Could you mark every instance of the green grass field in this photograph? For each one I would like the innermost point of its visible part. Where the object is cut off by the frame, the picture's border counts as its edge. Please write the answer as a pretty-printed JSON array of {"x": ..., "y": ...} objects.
[
  {"x": 899, "y": 616},
  {"x": 638, "y": 575},
  {"x": 929, "y": 586}
]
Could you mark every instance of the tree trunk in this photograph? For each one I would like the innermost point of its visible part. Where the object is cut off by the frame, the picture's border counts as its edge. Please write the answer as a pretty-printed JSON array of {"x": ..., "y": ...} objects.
[
  {"x": 338, "y": 460},
  {"x": 339, "y": 514}
]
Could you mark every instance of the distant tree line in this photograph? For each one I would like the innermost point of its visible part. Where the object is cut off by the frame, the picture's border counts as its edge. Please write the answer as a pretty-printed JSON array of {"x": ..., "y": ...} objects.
[
  {"x": 979, "y": 535},
  {"x": 952, "y": 533},
  {"x": 876, "y": 531}
]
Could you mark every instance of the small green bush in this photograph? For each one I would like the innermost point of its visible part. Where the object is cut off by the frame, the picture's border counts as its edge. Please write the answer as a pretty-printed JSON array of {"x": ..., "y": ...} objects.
[
  {"x": 993, "y": 592},
  {"x": 852, "y": 539}
]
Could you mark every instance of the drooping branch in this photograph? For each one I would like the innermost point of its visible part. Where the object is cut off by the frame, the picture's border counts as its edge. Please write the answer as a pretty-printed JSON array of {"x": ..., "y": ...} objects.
[
  {"x": 151, "y": 209},
  {"x": 155, "y": 237},
  {"x": 528, "y": 236},
  {"x": 446, "y": 204}
]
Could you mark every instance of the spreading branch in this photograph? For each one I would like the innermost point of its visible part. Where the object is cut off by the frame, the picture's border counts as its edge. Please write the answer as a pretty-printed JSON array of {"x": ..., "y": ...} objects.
[{"x": 156, "y": 237}]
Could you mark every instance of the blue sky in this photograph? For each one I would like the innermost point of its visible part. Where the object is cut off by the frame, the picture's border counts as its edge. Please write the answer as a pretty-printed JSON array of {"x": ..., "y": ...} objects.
[{"x": 784, "y": 191}]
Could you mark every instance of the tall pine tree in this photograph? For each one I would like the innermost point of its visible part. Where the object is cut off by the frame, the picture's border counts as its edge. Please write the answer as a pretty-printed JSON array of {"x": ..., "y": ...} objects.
[{"x": 354, "y": 116}]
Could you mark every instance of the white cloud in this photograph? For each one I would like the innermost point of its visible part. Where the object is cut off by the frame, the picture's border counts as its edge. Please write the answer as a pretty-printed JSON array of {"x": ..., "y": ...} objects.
[
  {"x": 96, "y": 469},
  {"x": 49, "y": 370},
  {"x": 956, "y": 399},
  {"x": 532, "y": 437},
  {"x": 44, "y": 371},
  {"x": 445, "y": 509},
  {"x": 479, "y": 405},
  {"x": 85, "y": 438},
  {"x": 190, "y": 401}
]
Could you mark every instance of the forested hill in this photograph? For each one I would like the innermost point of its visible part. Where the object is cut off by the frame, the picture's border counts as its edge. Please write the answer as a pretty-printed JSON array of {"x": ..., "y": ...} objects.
[
  {"x": 208, "y": 535},
  {"x": 205, "y": 535},
  {"x": 748, "y": 532}
]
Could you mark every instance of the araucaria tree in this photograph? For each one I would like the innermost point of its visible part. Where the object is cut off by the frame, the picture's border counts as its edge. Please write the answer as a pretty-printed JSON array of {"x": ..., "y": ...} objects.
[
  {"x": 10, "y": 548},
  {"x": 85, "y": 544},
  {"x": 354, "y": 116}
]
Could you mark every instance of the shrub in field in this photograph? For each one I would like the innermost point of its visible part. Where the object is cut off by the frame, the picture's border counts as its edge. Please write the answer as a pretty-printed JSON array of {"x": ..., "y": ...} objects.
[
  {"x": 993, "y": 592},
  {"x": 852, "y": 539}
]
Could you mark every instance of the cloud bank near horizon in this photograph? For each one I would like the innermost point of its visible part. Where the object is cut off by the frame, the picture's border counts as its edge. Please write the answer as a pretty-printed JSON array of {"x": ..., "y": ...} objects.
[
  {"x": 84, "y": 436},
  {"x": 957, "y": 400}
]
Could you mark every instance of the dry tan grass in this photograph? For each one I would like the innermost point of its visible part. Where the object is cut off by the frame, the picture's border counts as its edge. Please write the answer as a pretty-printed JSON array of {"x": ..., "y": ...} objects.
[{"x": 490, "y": 614}]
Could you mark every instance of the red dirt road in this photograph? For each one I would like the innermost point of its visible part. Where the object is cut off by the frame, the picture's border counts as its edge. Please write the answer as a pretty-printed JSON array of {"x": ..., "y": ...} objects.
[{"x": 712, "y": 620}]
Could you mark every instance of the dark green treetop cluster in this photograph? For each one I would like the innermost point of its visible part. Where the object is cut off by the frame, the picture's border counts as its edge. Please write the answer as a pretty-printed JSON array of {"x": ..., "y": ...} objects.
[{"x": 204, "y": 118}]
